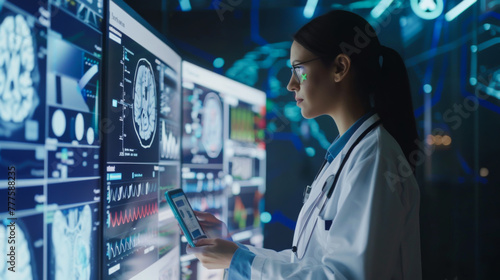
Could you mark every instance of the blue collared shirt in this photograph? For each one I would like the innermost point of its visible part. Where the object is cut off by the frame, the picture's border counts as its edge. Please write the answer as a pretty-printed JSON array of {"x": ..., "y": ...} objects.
[{"x": 339, "y": 142}]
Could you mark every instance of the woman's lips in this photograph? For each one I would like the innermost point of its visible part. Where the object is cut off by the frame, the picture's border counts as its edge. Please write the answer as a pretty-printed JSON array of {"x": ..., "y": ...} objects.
[{"x": 299, "y": 100}]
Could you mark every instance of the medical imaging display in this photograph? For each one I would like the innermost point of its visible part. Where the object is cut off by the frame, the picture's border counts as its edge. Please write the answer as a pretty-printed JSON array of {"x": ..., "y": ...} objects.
[
  {"x": 50, "y": 78},
  {"x": 169, "y": 176},
  {"x": 73, "y": 237},
  {"x": 223, "y": 151},
  {"x": 170, "y": 113},
  {"x": 244, "y": 209},
  {"x": 23, "y": 44},
  {"x": 140, "y": 233},
  {"x": 77, "y": 76},
  {"x": 203, "y": 125},
  {"x": 89, "y": 12},
  {"x": 130, "y": 220}
]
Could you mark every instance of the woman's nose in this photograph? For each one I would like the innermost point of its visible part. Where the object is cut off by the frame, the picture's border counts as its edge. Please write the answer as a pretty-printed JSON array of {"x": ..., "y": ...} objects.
[{"x": 293, "y": 85}]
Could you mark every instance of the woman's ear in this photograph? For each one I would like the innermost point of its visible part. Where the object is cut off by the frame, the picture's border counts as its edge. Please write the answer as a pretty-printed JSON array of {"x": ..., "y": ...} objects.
[{"x": 341, "y": 66}]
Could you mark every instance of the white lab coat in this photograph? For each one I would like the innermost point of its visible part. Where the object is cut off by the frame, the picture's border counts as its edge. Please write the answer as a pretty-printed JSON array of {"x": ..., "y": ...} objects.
[{"x": 374, "y": 213}]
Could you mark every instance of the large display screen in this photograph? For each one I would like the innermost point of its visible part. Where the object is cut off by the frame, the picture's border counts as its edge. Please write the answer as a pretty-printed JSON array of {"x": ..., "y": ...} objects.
[
  {"x": 142, "y": 150},
  {"x": 223, "y": 153},
  {"x": 92, "y": 120},
  {"x": 50, "y": 86}
]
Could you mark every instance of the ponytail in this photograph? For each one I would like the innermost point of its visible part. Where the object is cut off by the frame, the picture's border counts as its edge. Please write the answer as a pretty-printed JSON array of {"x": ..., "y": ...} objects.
[
  {"x": 393, "y": 102},
  {"x": 345, "y": 32}
]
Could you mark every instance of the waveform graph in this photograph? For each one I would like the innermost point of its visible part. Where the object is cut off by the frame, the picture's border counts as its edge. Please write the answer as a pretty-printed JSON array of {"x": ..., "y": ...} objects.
[
  {"x": 130, "y": 244},
  {"x": 130, "y": 250},
  {"x": 73, "y": 242},
  {"x": 126, "y": 192},
  {"x": 131, "y": 214},
  {"x": 170, "y": 142}
]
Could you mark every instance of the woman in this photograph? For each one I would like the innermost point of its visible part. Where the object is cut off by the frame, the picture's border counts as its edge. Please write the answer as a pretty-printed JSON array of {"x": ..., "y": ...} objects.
[{"x": 360, "y": 220}]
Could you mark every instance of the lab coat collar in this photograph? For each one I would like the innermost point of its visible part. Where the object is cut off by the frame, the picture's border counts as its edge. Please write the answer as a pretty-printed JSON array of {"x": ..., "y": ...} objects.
[{"x": 339, "y": 143}]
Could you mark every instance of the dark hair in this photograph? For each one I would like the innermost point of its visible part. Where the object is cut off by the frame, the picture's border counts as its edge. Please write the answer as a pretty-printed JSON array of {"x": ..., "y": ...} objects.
[{"x": 338, "y": 32}]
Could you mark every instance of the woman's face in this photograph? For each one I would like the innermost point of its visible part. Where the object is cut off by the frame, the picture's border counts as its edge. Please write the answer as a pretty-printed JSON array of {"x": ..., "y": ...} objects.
[{"x": 314, "y": 92}]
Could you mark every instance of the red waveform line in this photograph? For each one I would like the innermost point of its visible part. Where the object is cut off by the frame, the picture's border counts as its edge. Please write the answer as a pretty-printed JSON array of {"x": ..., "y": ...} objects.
[{"x": 138, "y": 213}]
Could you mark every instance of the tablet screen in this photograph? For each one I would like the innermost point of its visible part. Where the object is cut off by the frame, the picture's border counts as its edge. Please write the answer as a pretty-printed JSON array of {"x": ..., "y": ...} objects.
[{"x": 187, "y": 215}]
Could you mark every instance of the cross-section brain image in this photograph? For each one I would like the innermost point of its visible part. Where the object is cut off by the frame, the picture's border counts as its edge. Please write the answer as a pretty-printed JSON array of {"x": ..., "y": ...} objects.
[
  {"x": 18, "y": 96},
  {"x": 71, "y": 239},
  {"x": 212, "y": 125},
  {"x": 22, "y": 261},
  {"x": 145, "y": 103}
]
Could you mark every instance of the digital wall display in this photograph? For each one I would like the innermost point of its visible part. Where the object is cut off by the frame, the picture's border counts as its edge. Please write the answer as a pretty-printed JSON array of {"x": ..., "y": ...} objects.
[
  {"x": 93, "y": 115},
  {"x": 50, "y": 86},
  {"x": 142, "y": 143},
  {"x": 223, "y": 152}
]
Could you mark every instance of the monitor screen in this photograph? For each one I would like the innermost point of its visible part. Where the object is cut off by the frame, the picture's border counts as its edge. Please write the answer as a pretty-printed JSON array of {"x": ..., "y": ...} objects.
[
  {"x": 223, "y": 153},
  {"x": 51, "y": 76},
  {"x": 142, "y": 150}
]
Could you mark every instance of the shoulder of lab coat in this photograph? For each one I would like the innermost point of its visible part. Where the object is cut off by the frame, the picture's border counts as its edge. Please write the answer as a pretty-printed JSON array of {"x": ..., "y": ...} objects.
[{"x": 375, "y": 230}]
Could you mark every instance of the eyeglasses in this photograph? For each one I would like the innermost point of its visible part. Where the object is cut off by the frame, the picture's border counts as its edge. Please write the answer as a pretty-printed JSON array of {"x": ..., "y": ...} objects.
[{"x": 298, "y": 72}]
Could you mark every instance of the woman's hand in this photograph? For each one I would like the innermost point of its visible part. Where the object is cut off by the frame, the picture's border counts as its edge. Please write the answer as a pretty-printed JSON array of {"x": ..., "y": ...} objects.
[
  {"x": 212, "y": 226},
  {"x": 213, "y": 253}
]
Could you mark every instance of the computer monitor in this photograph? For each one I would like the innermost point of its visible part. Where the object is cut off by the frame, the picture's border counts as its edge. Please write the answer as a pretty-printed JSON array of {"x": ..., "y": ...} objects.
[
  {"x": 51, "y": 77},
  {"x": 142, "y": 149},
  {"x": 223, "y": 153}
]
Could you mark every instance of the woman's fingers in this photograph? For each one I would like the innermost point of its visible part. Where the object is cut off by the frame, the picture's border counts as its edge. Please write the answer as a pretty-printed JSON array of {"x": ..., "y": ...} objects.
[{"x": 213, "y": 252}]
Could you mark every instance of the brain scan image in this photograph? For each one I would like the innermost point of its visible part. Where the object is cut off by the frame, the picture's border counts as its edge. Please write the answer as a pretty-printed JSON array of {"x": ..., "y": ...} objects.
[
  {"x": 144, "y": 103},
  {"x": 71, "y": 239},
  {"x": 212, "y": 125},
  {"x": 18, "y": 95},
  {"x": 23, "y": 264}
]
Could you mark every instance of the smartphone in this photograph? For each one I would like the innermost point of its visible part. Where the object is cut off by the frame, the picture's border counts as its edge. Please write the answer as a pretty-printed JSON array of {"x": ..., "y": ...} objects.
[{"x": 185, "y": 215}]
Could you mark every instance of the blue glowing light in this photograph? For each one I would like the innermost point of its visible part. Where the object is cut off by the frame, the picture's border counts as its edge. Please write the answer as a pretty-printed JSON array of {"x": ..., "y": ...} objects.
[
  {"x": 218, "y": 62},
  {"x": 265, "y": 217},
  {"x": 310, "y": 8},
  {"x": 427, "y": 88},
  {"x": 458, "y": 9},
  {"x": 427, "y": 9},
  {"x": 310, "y": 151},
  {"x": 380, "y": 8},
  {"x": 185, "y": 5}
]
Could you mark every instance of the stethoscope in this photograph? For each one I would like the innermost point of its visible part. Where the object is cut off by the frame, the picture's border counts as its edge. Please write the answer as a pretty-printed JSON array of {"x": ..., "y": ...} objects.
[{"x": 328, "y": 186}]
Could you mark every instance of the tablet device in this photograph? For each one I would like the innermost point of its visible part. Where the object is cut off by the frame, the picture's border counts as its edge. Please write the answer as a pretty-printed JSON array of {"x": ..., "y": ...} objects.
[{"x": 185, "y": 215}]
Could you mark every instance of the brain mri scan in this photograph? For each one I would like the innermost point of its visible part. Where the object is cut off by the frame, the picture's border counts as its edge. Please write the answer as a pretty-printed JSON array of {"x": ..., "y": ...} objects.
[
  {"x": 23, "y": 265},
  {"x": 145, "y": 103},
  {"x": 18, "y": 96},
  {"x": 71, "y": 234},
  {"x": 212, "y": 125}
]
